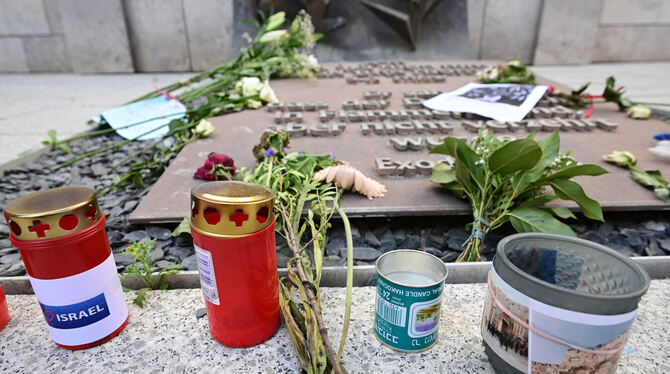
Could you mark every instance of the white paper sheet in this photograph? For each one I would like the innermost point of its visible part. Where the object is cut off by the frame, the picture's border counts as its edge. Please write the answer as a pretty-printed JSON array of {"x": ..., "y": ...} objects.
[
  {"x": 501, "y": 102},
  {"x": 148, "y": 114}
]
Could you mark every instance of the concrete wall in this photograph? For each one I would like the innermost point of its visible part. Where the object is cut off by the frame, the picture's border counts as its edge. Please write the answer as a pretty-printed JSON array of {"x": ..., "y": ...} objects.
[
  {"x": 555, "y": 32},
  {"x": 94, "y": 36},
  {"x": 112, "y": 36}
]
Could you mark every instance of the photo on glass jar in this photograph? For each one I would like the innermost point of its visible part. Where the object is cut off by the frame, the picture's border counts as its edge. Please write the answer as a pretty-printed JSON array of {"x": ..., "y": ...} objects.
[
  {"x": 597, "y": 332},
  {"x": 506, "y": 337}
]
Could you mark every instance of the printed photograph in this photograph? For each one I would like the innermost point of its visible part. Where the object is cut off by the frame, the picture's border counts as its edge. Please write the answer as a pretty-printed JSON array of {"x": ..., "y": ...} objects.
[
  {"x": 551, "y": 357},
  {"x": 505, "y": 336},
  {"x": 514, "y": 94}
]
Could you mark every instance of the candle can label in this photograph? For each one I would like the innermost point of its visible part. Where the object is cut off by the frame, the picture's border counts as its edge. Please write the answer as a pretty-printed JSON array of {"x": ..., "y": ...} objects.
[
  {"x": 534, "y": 337},
  {"x": 207, "y": 277},
  {"x": 82, "y": 308},
  {"x": 407, "y": 318}
]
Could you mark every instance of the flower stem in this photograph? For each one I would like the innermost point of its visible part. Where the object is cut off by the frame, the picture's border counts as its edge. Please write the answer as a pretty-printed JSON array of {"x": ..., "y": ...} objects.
[
  {"x": 105, "y": 149},
  {"x": 350, "y": 280}
]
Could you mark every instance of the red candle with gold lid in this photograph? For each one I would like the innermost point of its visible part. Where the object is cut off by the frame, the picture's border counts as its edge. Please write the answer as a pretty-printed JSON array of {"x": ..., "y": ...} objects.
[
  {"x": 233, "y": 229},
  {"x": 61, "y": 236}
]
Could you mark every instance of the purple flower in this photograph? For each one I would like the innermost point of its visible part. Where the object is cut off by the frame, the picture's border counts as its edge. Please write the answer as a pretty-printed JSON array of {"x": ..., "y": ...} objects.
[
  {"x": 269, "y": 152},
  {"x": 283, "y": 171},
  {"x": 332, "y": 155}
]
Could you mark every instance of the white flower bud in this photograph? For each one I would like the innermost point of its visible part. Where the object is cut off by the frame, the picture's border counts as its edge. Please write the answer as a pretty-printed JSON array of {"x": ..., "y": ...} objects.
[
  {"x": 203, "y": 129},
  {"x": 274, "y": 36},
  {"x": 267, "y": 93}
]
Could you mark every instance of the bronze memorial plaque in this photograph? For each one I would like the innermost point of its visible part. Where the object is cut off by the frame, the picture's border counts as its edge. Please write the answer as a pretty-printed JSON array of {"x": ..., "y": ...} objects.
[{"x": 384, "y": 136}]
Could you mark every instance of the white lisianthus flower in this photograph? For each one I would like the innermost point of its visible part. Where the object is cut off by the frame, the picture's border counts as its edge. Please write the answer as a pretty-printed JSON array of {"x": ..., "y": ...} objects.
[
  {"x": 514, "y": 63},
  {"x": 313, "y": 63},
  {"x": 254, "y": 104},
  {"x": 488, "y": 74},
  {"x": 268, "y": 94},
  {"x": 274, "y": 36},
  {"x": 639, "y": 111},
  {"x": 203, "y": 129},
  {"x": 249, "y": 86}
]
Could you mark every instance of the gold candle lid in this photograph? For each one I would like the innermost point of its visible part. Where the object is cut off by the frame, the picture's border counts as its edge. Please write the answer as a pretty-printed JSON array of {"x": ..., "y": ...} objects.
[
  {"x": 52, "y": 213},
  {"x": 228, "y": 209}
]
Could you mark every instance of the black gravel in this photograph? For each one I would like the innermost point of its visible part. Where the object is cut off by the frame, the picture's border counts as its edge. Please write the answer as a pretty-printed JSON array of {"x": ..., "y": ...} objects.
[{"x": 632, "y": 234}]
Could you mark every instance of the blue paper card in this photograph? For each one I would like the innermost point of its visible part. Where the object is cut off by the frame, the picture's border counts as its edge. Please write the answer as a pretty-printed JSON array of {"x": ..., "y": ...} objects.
[{"x": 144, "y": 116}]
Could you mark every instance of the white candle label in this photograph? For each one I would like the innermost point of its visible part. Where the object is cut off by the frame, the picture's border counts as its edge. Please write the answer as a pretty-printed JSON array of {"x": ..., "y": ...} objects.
[
  {"x": 207, "y": 276},
  {"x": 82, "y": 308}
]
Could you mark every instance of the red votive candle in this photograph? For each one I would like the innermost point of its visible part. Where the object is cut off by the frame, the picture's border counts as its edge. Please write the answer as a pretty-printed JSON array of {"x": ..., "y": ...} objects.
[
  {"x": 233, "y": 231},
  {"x": 61, "y": 236}
]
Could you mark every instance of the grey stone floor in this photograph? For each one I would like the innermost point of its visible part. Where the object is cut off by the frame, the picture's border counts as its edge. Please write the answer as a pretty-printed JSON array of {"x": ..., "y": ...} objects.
[
  {"x": 31, "y": 104},
  {"x": 168, "y": 328}
]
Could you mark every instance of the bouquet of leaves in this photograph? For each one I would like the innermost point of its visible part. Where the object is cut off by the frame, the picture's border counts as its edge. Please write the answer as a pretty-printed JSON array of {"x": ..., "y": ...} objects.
[
  {"x": 291, "y": 177},
  {"x": 510, "y": 181},
  {"x": 241, "y": 83}
]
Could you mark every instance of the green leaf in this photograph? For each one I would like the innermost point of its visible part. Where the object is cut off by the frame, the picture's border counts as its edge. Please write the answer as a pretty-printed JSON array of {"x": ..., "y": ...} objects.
[
  {"x": 140, "y": 297},
  {"x": 52, "y": 135},
  {"x": 537, "y": 201},
  {"x": 647, "y": 178},
  {"x": 467, "y": 158},
  {"x": 569, "y": 190},
  {"x": 443, "y": 174},
  {"x": 448, "y": 146},
  {"x": 581, "y": 89},
  {"x": 253, "y": 21},
  {"x": 441, "y": 149},
  {"x": 561, "y": 212},
  {"x": 550, "y": 147},
  {"x": 64, "y": 147},
  {"x": 573, "y": 171},
  {"x": 318, "y": 36},
  {"x": 184, "y": 229},
  {"x": 521, "y": 154},
  {"x": 662, "y": 193},
  {"x": 537, "y": 220}
]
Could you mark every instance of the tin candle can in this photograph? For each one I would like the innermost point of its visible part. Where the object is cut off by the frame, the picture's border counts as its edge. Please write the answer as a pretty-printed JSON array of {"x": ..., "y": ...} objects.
[
  {"x": 409, "y": 299},
  {"x": 233, "y": 227},
  {"x": 4, "y": 311},
  {"x": 61, "y": 236},
  {"x": 559, "y": 304}
]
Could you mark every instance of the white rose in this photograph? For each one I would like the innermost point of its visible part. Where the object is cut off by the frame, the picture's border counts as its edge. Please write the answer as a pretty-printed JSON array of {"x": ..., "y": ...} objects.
[
  {"x": 312, "y": 63},
  {"x": 249, "y": 86},
  {"x": 268, "y": 94},
  {"x": 639, "y": 111},
  {"x": 203, "y": 129},
  {"x": 274, "y": 36}
]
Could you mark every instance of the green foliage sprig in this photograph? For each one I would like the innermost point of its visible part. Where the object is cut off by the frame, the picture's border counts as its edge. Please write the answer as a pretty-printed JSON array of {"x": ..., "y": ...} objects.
[
  {"x": 646, "y": 177},
  {"x": 509, "y": 181},
  {"x": 142, "y": 269},
  {"x": 290, "y": 176}
]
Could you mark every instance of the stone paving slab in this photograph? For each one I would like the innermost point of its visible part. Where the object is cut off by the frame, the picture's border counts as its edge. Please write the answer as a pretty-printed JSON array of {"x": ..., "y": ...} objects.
[{"x": 166, "y": 336}]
